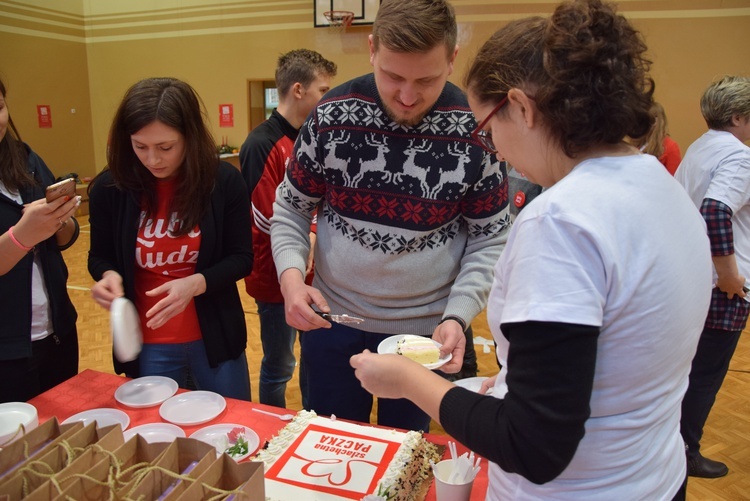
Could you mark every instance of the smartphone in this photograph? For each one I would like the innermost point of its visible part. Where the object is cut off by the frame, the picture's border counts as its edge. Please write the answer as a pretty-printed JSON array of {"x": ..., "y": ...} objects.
[{"x": 66, "y": 187}]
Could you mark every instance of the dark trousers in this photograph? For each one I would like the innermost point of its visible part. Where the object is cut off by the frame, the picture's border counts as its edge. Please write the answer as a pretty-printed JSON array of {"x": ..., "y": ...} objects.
[
  {"x": 53, "y": 360},
  {"x": 710, "y": 365},
  {"x": 332, "y": 387}
]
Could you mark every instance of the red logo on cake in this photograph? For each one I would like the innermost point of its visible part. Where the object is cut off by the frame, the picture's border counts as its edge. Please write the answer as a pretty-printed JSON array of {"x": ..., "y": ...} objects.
[{"x": 334, "y": 461}]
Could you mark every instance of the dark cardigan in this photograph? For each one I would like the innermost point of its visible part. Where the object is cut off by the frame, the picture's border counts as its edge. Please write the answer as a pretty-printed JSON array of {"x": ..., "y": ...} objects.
[
  {"x": 15, "y": 286},
  {"x": 225, "y": 256}
]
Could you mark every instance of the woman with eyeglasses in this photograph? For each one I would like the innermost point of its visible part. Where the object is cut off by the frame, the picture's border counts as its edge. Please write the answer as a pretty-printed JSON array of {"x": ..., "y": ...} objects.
[{"x": 600, "y": 294}]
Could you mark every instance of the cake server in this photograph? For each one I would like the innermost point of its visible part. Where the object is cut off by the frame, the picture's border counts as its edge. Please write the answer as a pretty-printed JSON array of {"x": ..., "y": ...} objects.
[{"x": 341, "y": 319}]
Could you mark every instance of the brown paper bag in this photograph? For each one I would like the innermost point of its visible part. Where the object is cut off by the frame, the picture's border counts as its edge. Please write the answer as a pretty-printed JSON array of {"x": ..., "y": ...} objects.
[
  {"x": 44, "y": 492},
  {"x": 159, "y": 484},
  {"x": 177, "y": 458},
  {"x": 82, "y": 479},
  {"x": 227, "y": 475},
  {"x": 34, "y": 472},
  {"x": 89, "y": 485},
  {"x": 38, "y": 441},
  {"x": 111, "y": 440},
  {"x": 134, "y": 452}
]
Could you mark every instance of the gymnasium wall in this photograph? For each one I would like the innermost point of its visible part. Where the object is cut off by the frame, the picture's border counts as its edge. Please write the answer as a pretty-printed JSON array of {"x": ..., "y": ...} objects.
[{"x": 82, "y": 55}]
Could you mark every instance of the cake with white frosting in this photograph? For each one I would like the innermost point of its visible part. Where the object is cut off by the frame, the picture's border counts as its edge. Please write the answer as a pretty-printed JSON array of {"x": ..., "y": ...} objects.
[
  {"x": 321, "y": 459},
  {"x": 421, "y": 349}
]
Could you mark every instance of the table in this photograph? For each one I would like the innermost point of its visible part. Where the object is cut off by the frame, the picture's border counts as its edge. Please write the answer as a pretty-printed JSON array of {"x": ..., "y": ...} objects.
[{"x": 92, "y": 389}]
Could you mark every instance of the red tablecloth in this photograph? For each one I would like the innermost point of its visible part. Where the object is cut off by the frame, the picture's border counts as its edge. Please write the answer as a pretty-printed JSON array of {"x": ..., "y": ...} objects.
[{"x": 92, "y": 390}]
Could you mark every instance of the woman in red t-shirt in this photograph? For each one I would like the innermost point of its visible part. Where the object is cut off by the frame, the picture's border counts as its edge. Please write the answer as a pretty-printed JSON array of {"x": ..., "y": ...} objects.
[
  {"x": 170, "y": 230},
  {"x": 658, "y": 143}
]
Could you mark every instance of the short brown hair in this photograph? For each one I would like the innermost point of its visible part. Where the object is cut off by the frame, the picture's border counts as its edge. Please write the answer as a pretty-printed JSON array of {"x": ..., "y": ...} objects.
[
  {"x": 585, "y": 68},
  {"x": 415, "y": 26},
  {"x": 724, "y": 98},
  {"x": 303, "y": 66}
]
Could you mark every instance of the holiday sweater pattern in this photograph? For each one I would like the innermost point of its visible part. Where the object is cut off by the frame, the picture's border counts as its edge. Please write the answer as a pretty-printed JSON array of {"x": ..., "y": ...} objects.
[{"x": 395, "y": 190}]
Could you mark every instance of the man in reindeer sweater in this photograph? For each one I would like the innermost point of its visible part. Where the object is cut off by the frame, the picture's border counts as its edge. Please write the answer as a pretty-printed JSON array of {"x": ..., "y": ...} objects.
[{"x": 412, "y": 213}]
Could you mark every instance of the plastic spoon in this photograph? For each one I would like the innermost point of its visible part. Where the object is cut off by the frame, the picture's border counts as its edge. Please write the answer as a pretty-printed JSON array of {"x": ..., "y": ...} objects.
[{"x": 283, "y": 417}]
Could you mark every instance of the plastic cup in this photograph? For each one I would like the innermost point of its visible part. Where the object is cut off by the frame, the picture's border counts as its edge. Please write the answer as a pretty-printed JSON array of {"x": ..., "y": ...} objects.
[{"x": 450, "y": 491}]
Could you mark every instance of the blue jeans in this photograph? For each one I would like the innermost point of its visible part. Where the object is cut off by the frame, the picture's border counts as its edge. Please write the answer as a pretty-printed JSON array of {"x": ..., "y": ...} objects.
[
  {"x": 230, "y": 378},
  {"x": 334, "y": 389},
  {"x": 277, "y": 366}
]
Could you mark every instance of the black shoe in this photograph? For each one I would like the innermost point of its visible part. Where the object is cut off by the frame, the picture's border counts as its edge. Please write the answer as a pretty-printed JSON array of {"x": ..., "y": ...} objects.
[{"x": 706, "y": 468}]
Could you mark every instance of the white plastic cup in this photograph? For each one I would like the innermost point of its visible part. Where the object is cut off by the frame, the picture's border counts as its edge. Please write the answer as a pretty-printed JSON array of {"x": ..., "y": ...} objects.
[{"x": 449, "y": 491}]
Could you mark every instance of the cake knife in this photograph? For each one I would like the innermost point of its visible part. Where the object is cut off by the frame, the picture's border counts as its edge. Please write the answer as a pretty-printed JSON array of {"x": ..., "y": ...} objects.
[{"x": 341, "y": 319}]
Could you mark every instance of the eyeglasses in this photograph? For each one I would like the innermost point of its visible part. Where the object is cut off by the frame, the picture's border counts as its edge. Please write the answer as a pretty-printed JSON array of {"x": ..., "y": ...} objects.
[{"x": 484, "y": 137}]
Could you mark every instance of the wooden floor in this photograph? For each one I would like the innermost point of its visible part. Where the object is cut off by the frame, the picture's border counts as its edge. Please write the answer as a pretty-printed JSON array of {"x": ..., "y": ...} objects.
[{"x": 726, "y": 437}]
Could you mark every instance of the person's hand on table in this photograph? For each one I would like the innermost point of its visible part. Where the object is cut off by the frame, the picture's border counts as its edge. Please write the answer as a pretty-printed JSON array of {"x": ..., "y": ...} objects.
[
  {"x": 298, "y": 298},
  {"x": 451, "y": 336}
]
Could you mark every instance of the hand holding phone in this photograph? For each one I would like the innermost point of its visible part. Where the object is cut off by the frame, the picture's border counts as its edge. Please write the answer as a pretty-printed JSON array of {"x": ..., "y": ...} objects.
[{"x": 66, "y": 187}]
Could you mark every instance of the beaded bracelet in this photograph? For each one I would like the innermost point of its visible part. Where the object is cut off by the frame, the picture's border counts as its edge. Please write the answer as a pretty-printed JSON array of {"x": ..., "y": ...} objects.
[{"x": 15, "y": 241}]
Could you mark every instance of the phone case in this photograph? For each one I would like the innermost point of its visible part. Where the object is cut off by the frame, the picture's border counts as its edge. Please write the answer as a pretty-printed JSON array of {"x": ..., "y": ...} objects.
[{"x": 63, "y": 188}]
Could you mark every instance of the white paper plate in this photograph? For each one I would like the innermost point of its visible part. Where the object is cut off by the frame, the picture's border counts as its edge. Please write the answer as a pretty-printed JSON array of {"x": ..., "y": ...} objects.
[
  {"x": 12, "y": 416},
  {"x": 471, "y": 383},
  {"x": 127, "y": 337},
  {"x": 155, "y": 432},
  {"x": 214, "y": 435},
  {"x": 104, "y": 417},
  {"x": 390, "y": 345},
  {"x": 146, "y": 391},
  {"x": 193, "y": 407}
]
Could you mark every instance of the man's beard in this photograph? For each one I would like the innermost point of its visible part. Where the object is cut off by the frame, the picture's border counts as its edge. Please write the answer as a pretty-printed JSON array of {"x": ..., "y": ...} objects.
[{"x": 406, "y": 122}]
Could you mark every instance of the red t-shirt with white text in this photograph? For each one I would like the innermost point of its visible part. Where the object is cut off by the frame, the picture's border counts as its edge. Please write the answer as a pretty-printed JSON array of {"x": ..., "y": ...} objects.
[{"x": 161, "y": 257}]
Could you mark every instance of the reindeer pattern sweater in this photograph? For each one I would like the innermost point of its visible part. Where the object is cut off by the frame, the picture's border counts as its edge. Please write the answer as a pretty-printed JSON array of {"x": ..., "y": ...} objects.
[{"x": 411, "y": 219}]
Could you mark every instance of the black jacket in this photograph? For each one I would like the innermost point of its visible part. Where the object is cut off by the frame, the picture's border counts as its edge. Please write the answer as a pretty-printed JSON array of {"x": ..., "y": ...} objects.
[
  {"x": 15, "y": 286},
  {"x": 225, "y": 256}
]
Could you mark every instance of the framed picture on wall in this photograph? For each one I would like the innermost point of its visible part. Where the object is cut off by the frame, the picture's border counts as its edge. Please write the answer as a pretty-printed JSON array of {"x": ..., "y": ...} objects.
[{"x": 364, "y": 10}]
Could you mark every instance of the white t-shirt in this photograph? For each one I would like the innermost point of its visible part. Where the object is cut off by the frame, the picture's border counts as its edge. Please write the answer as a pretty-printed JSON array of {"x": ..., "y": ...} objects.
[
  {"x": 616, "y": 244},
  {"x": 717, "y": 166}
]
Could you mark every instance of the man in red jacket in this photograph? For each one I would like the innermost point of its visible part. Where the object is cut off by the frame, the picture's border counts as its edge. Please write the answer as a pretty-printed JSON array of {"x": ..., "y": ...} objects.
[{"x": 302, "y": 77}]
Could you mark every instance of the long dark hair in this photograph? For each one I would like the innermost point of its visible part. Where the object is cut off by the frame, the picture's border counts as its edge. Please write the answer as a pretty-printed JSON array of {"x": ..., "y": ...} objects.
[
  {"x": 13, "y": 155},
  {"x": 175, "y": 104}
]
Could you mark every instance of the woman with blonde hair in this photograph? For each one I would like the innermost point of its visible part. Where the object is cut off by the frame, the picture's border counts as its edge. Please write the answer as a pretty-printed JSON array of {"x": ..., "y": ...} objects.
[{"x": 658, "y": 142}]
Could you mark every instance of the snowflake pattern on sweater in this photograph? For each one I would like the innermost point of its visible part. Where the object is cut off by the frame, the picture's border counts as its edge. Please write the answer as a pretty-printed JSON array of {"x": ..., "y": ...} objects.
[{"x": 423, "y": 182}]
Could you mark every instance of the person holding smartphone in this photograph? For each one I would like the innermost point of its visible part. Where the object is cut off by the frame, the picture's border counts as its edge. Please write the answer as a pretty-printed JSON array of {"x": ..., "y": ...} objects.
[
  {"x": 38, "y": 339},
  {"x": 170, "y": 230}
]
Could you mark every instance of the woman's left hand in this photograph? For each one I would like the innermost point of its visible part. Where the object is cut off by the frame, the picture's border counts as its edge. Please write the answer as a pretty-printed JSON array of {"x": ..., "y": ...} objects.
[{"x": 178, "y": 294}]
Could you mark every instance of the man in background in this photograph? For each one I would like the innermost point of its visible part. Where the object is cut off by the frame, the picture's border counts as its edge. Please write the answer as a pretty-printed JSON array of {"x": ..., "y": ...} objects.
[{"x": 302, "y": 77}]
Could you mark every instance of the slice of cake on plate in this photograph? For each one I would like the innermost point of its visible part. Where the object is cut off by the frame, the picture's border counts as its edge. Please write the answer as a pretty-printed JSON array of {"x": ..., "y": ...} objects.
[
  {"x": 421, "y": 349},
  {"x": 331, "y": 460}
]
